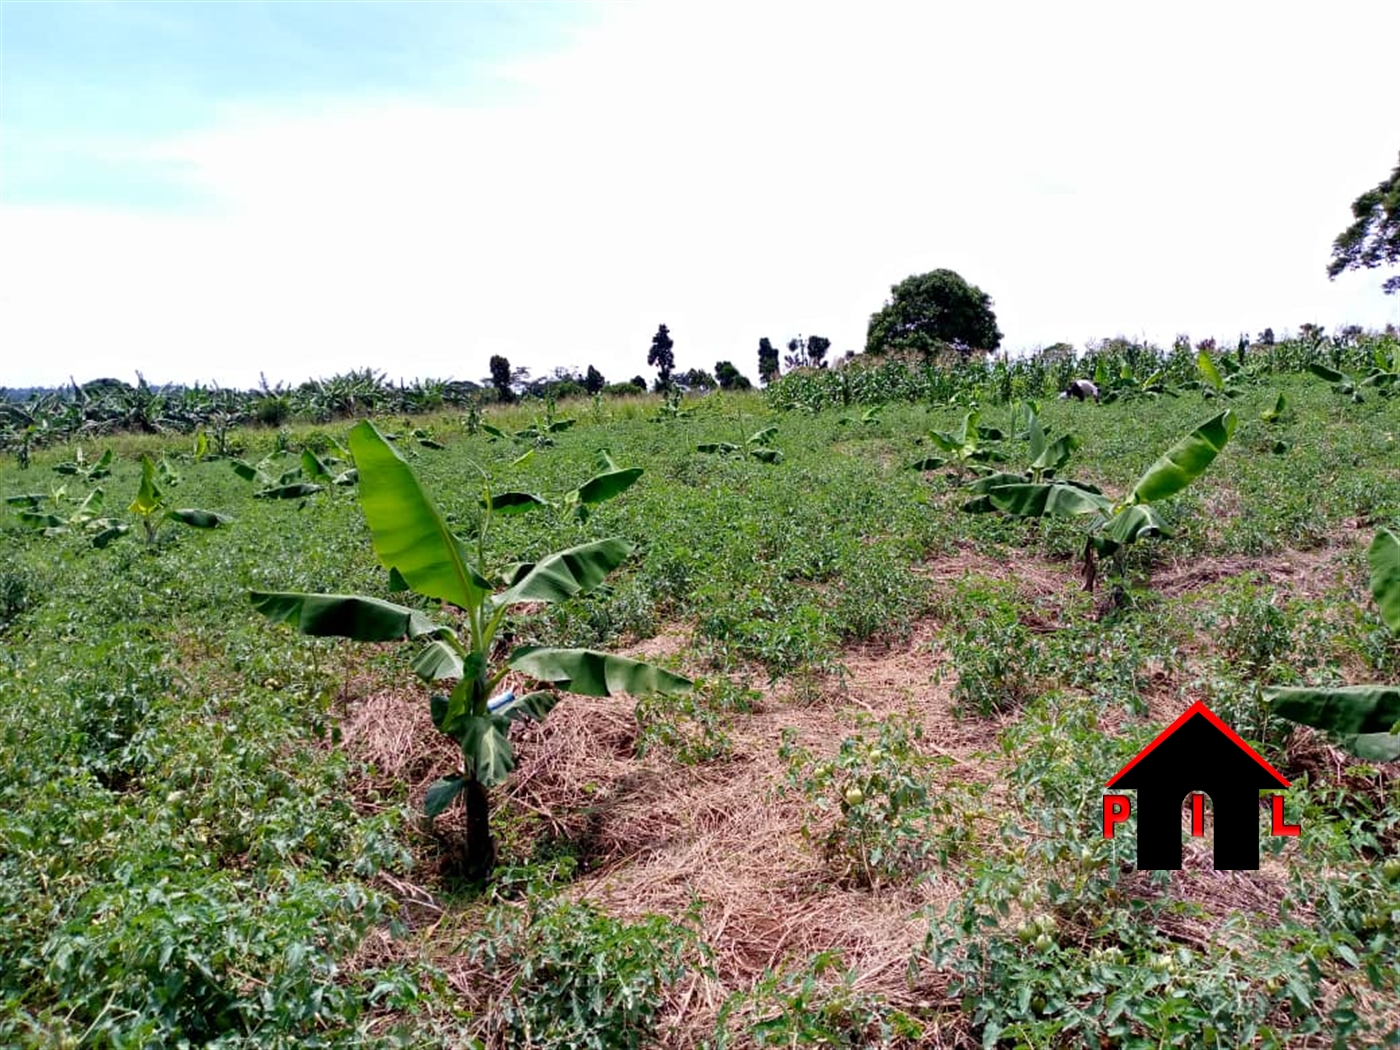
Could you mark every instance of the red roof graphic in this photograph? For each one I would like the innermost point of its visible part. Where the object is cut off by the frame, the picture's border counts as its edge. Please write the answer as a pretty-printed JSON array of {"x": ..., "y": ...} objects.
[{"x": 1199, "y": 708}]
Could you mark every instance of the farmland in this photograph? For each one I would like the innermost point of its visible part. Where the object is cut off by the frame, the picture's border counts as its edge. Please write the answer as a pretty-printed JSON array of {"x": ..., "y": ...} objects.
[{"x": 874, "y": 821}]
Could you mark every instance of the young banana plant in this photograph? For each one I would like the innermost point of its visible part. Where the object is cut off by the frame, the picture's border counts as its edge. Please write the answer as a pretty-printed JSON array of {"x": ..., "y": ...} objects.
[
  {"x": 611, "y": 480},
  {"x": 89, "y": 472},
  {"x": 1365, "y": 717},
  {"x": 275, "y": 483},
  {"x": 758, "y": 445},
  {"x": 152, "y": 507},
  {"x": 1383, "y": 375},
  {"x": 1114, "y": 525},
  {"x": 411, "y": 539},
  {"x": 962, "y": 447}
]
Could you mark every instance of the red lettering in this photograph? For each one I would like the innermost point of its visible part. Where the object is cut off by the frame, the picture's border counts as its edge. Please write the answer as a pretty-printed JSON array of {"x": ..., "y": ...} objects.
[
  {"x": 1116, "y": 809},
  {"x": 1280, "y": 828}
]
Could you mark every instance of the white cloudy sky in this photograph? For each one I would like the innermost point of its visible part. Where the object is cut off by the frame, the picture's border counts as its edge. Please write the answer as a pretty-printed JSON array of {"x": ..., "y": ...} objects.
[{"x": 210, "y": 191}]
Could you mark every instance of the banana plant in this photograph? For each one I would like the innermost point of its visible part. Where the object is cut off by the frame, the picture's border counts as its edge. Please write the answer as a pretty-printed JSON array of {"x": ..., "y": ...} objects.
[
  {"x": 759, "y": 445},
  {"x": 1366, "y": 718},
  {"x": 1114, "y": 524},
  {"x": 869, "y": 418},
  {"x": 611, "y": 480},
  {"x": 151, "y": 507},
  {"x": 1383, "y": 375},
  {"x": 963, "y": 447},
  {"x": 1230, "y": 384},
  {"x": 87, "y": 517},
  {"x": 412, "y": 541},
  {"x": 308, "y": 477},
  {"x": 81, "y": 468}
]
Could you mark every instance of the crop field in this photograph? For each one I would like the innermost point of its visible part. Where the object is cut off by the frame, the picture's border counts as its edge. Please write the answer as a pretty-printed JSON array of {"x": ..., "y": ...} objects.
[{"x": 875, "y": 817}]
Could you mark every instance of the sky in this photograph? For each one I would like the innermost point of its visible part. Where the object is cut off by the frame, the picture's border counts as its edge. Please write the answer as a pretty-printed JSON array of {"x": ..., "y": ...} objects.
[{"x": 213, "y": 191}]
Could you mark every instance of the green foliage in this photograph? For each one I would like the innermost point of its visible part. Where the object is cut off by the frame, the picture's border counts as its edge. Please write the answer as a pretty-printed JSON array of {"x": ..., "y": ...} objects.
[
  {"x": 662, "y": 357},
  {"x": 412, "y": 541},
  {"x": 1374, "y": 238},
  {"x": 927, "y": 312},
  {"x": 1114, "y": 525},
  {"x": 994, "y": 656},
  {"x": 572, "y": 976},
  {"x": 1365, "y": 717},
  {"x": 877, "y": 812},
  {"x": 693, "y": 726},
  {"x": 815, "y": 1004}
]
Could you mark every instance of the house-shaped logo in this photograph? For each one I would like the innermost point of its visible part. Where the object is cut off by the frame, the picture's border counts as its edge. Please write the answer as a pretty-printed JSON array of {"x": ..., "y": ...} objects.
[{"x": 1198, "y": 753}]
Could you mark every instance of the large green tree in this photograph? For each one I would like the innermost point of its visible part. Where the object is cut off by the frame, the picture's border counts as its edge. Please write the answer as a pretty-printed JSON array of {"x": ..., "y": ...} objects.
[
  {"x": 730, "y": 378},
  {"x": 930, "y": 312},
  {"x": 662, "y": 357},
  {"x": 767, "y": 361},
  {"x": 1374, "y": 238},
  {"x": 500, "y": 377}
]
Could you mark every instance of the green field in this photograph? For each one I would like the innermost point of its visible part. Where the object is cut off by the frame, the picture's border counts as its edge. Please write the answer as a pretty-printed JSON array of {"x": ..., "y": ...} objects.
[{"x": 874, "y": 822}]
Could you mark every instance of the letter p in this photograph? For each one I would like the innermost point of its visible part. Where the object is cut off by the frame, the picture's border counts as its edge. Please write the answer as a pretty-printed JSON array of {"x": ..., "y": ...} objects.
[{"x": 1116, "y": 809}]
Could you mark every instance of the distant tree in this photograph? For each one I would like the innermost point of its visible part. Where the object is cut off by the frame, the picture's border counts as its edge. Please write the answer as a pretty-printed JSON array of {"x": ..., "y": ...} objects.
[
  {"x": 697, "y": 379},
  {"x": 501, "y": 377},
  {"x": 626, "y": 389},
  {"x": 767, "y": 361},
  {"x": 1266, "y": 337},
  {"x": 593, "y": 381},
  {"x": 639, "y": 383},
  {"x": 730, "y": 378},
  {"x": 927, "y": 312},
  {"x": 1057, "y": 352},
  {"x": 662, "y": 357},
  {"x": 796, "y": 357},
  {"x": 817, "y": 348},
  {"x": 1374, "y": 238}
]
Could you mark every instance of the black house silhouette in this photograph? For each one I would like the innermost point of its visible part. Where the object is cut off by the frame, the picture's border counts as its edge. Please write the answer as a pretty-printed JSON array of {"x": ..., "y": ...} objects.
[{"x": 1198, "y": 752}]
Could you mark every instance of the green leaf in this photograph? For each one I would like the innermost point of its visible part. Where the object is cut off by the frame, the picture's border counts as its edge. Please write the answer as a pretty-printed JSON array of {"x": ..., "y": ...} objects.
[
  {"x": 244, "y": 470},
  {"x": 1185, "y": 461},
  {"x": 32, "y": 500},
  {"x": 766, "y": 455},
  {"x": 1374, "y": 747},
  {"x": 486, "y": 749},
  {"x": 353, "y": 616},
  {"x": 295, "y": 490},
  {"x": 1035, "y": 433},
  {"x": 429, "y": 443},
  {"x": 312, "y": 466},
  {"x": 148, "y": 497},
  {"x": 568, "y": 572},
  {"x": 1384, "y": 556},
  {"x": 514, "y": 502},
  {"x": 347, "y": 477},
  {"x": 605, "y": 486},
  {"x": 1208, "y": 369},
  {"x": 1323, "y": 372},
  {"x": 199, "y": 519},
  {"x": 532, "y": 705},
  {"x": 1055, "y": 455},
  {"x": 495, "y": 432},
  {"x": 1344, "y": 710},
  {"x": 110, "y": 533},
  {"x": 1054, "y": 498},
  {"x": 442, "y": 794},
  {"x": 1275, "y": 414},
  {"x": 1134, "y": 522},
  {"x": 407, "y": 529},
  {"x": 722, "y": 448},
  {"x": 592, "y": 673},
  {"x": 440, "y": 659},
  {"x": 928, "y": 463},
  {"x": 763, "y": 436}
]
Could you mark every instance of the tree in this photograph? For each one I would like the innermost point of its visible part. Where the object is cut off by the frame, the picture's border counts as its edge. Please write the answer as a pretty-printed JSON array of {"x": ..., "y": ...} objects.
[
  {"x": 662, "y": 357},
  {"x": 640, "y": 383},
  {"x": 767, "y": 361},
  {"x": 1374, "y": 238},
  {"x": 730, "y": 378},
  {"x": 697, "y": 379},
  {"x": 931, "y": 311},
  {"x": 593, "y": 381},
  {"x": 500, "y": 377},
  {"x": 817, "y": 347}
]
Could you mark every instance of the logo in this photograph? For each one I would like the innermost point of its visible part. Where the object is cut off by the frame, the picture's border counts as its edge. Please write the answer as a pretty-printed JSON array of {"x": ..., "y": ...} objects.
[{"x": 1197, "y": 755}]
